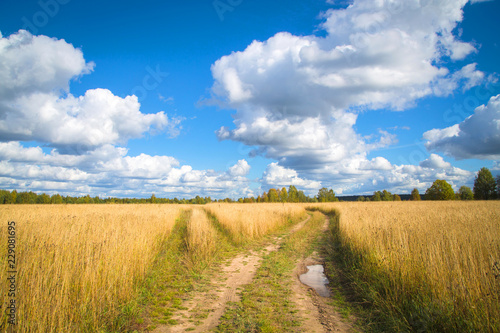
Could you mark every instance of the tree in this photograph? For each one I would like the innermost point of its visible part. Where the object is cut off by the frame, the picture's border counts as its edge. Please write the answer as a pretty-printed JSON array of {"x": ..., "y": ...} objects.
[
  {"x": 498, "y": 186},
  {"x": 5, "y": 197},
  {"x": 265, "y": 198},
  {"x": 377, "y": 196},
  {"x": 293, "y": 194},
  {"x": 43, "y": 199},
  {"x": 415, "y": 196},
  {"x": 153, "y": 198},
  {"x": 273, "y": 195},
  {"x": 56, "y": 199},
  {"x": 360, "y": 199},
  {"x": 465, "y": 193},
  {"x": 283, "y": 195},
  {"x": 440, "y": 190},
  {"x": 301, "y": 197},
  {"x": 484, "y": 185},
  {"x": 387, "y": 196},
  {"x": 396, "y": 197},
  {"x": 325, "y": 195}
]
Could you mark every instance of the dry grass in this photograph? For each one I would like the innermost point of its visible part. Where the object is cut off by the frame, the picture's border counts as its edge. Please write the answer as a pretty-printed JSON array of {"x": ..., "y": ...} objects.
[
  {"x": 445, "y": 254},
  {"x": 78, "y": 263},
  {"x": 201, "y": 238},
  {"x": 252, "y": 221}
]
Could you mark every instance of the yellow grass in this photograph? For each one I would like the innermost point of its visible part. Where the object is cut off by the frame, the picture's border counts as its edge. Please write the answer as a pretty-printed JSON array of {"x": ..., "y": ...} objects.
[
  {"x": 447, "y": 251},
  {"x": 201, "y": 238},
  {"x": 76, "y": 263},
  {"x": 252, "y": 221}
]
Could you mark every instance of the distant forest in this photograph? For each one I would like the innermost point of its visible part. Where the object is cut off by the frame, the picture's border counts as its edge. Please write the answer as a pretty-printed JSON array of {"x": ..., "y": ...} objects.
[{"x": 485, "y": 188}]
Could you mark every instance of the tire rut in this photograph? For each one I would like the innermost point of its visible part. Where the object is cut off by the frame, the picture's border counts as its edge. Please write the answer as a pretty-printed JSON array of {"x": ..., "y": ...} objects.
[
  {"x": 316, "y": 313},
  {"x": 205, "y": 309}
]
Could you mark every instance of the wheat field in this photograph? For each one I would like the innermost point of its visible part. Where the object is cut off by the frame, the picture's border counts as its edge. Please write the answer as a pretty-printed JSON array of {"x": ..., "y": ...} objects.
[
  {"x": 77, "y": 262},
  {"x": 251, "y": 221},
  {"x": 80, "y": 265},
  {"x": 445, "y": 255}
]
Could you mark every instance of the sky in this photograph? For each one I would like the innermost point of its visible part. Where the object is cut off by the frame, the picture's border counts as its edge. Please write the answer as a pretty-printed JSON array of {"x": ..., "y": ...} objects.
[{"x": 228, "y": 98}]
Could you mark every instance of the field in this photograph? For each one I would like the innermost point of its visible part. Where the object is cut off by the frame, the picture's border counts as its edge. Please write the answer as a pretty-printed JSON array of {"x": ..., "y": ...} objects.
[
  {"x": 81, "y": 265},
  {"x": 438, "y": 263},
  {"x": 430, "y": 266}
]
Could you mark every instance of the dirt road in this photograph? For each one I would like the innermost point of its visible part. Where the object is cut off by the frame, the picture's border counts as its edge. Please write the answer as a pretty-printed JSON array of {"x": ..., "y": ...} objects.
[{"x": 202, "y": 312}]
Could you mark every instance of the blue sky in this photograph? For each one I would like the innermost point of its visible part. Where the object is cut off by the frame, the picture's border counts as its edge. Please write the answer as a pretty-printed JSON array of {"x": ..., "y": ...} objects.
[{"x": 232, "y": 97}]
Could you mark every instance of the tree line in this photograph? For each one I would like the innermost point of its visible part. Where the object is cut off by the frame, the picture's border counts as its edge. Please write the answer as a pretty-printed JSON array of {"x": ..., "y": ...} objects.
[
  {"x": 485, "y": 188},
  {"x": 15, "y": 197}
]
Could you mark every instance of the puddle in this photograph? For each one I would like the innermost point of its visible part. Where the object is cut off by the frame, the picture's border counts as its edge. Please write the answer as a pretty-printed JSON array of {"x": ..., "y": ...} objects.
[{"x": 315, "y": 278}]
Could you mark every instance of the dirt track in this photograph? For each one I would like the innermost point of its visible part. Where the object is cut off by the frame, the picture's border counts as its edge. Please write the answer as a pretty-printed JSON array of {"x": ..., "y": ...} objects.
[
  {"x": 204, "y": 310},
  {"x": 317, "y": 314}
]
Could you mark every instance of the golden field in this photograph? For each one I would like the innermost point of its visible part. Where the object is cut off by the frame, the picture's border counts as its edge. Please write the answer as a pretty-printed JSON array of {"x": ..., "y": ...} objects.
[
  {"x": 79, "y": 264},
  {"x": 445, "y": 254},
  {"x": 251, "y": 221}
]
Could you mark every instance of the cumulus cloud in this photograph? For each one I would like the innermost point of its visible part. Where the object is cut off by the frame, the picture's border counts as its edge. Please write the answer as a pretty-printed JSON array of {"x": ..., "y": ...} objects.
[
  {"x": 240, "y": 169},
  {"x": 435, "y": 162},
  {"x": 36, "y": 105},
  {"x": 297, "y": 98},
  {"x": 109, "y": 171},
  {"x": 402, "y": 178},
  {"x": 278, "y": 176},
  {"x": 84, "y": 133},
  {"x": 37, "y": 64},
  {"x": 478, "y": 136}
]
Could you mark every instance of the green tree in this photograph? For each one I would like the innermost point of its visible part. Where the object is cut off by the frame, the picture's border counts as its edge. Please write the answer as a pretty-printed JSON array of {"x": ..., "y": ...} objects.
[
  {"x": 301, "y": 197},
  {"x": 415, "y": 195},
  {"x": 5, "y": 197},
  {"x": 465, "y": 193},
  {"x": 43, "y": 199},
  {"x": 387, "y": 196},
  {"x": 56, "y": 199},
  {"x": 293, "y": 194},
  {"x": 325, "y": 195},
  {"x": 13, "y": 196},
  {"x": 153, "y": 198},
  {"x": 361, "y": 199},
  {"x": 265, "y": 197},
  {"x": 377, "y": 196},
  {"x": 440, "y": 190},
  {"x": 273, "y": 195},
  {"x": 396, "y": 197},
  {"x": 283, "y": 195},
  {"x": 484, "y": 185},
  {"x": 498, "y": 186}
]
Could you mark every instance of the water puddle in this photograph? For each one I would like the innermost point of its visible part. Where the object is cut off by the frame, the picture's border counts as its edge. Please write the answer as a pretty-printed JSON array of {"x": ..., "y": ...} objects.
[{"x": 316, "y": 279}]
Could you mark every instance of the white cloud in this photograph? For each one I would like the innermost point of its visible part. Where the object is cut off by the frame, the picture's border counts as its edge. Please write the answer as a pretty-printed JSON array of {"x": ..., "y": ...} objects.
[
  {"x": 297, "y": 98},
  {"x": 435, "y": 162},
  {"x": 110, "y": 172},
  {"x": 35, "y": 70},
  {"x": 478, "y": 1},
  {"x": 240, "y": 169},
  {"x": 478, "y": 136},
  {"x": 37, "y": 64},
  {"x": 278, "y": 176},
  {"x": 92, "y": 120}
]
